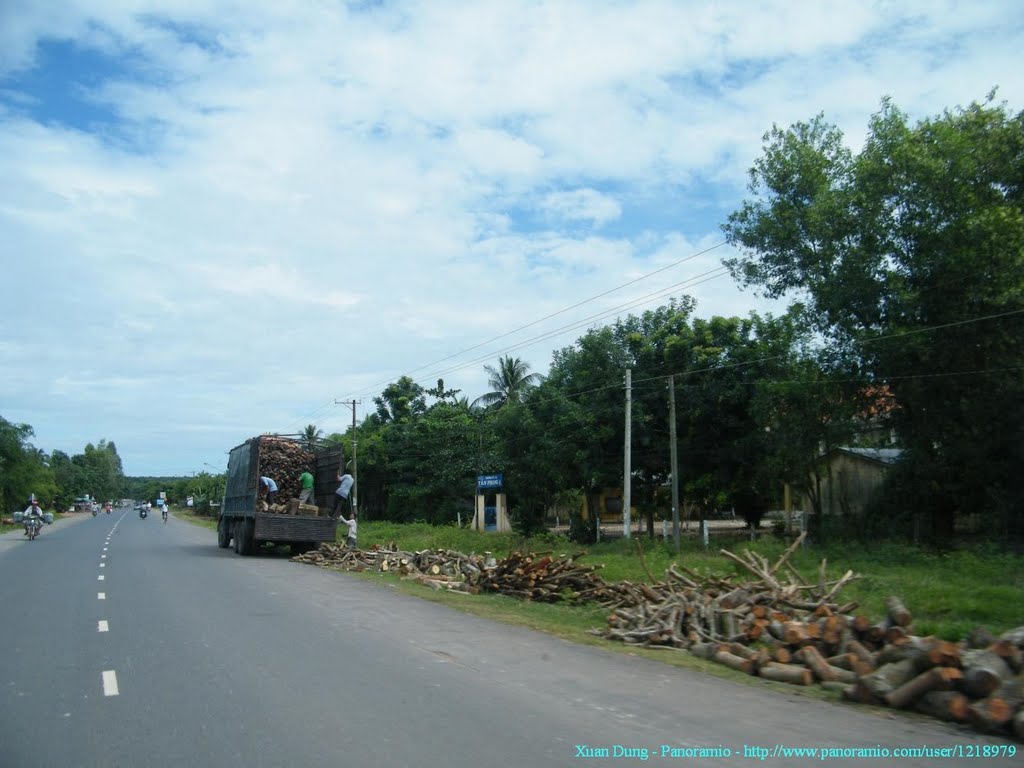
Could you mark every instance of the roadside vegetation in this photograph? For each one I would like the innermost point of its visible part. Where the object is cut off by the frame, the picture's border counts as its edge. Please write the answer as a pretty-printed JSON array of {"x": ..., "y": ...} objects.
[{"x": 948, "y": 592}]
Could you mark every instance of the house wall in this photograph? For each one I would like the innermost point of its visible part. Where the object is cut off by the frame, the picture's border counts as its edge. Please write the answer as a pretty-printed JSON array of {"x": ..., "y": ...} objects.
[{"x": 849, "y": 486}]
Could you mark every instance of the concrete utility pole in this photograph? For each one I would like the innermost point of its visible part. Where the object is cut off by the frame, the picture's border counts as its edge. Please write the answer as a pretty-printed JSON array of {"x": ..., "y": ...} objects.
[
  {"x": 627, "y": 522},
  {"x": 355, "y": 455},
  {"x": 673, "y": 458}
]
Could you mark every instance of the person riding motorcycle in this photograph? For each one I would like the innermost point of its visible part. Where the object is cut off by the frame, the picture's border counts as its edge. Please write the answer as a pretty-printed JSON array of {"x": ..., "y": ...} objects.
[{"x": 33, "y": 515}]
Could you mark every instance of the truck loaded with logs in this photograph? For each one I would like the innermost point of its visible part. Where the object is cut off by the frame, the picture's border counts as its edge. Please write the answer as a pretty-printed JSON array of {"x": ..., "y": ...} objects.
[{"x": 248, "y": 521}]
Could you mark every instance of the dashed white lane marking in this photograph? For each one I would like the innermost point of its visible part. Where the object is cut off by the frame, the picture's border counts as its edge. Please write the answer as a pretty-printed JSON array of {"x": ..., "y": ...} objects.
[
  {"x": 100, "y": 577},
  {"x": 103, "y": 565},
  {"x": 103, "y": 557},
  {"x": 102, "y": 626},
  {"x": 110, "y": 683},
  {"x": 101, "y": 595}
]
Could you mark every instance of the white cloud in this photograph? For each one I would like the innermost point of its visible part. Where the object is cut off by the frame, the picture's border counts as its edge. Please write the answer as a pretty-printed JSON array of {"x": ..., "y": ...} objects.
[
  {"x": 291, "y": 202},
  {"x": 583, "y": 204}
]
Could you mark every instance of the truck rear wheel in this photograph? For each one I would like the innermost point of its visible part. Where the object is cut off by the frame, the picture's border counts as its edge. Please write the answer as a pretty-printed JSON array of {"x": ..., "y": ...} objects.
[
  {"x": 244, "y": 532},
  {"x": 223, "y": 533}
]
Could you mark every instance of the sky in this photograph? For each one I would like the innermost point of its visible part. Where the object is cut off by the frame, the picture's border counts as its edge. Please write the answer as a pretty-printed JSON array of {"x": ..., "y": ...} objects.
[{"x": 221, "y": 219}]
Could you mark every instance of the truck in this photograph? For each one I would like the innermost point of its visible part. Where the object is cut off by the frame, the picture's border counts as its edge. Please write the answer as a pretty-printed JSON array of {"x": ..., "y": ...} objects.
[{"x": 248, "y": 522}]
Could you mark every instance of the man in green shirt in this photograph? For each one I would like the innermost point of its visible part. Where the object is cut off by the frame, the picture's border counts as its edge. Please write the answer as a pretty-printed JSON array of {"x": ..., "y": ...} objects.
[{"x": 306, "y": 496}]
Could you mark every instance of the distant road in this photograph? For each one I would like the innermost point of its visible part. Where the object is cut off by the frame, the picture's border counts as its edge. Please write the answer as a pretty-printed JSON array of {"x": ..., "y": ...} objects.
[{"x": 131, "y": 642}]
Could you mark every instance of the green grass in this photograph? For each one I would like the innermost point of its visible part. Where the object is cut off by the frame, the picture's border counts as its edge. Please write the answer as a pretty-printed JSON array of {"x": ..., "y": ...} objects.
[{"x": 947, "y": 593}]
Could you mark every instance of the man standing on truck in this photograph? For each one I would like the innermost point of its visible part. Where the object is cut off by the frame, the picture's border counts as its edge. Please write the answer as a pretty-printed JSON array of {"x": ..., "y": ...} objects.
[
  {"x": 306, "y": 481},
  {"x": 341, "y": 496},
  {"x": 271, "y": 486}
]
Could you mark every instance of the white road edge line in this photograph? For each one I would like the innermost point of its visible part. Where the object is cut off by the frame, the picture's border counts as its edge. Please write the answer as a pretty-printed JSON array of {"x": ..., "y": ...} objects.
[{"x": 110, "y": 683}]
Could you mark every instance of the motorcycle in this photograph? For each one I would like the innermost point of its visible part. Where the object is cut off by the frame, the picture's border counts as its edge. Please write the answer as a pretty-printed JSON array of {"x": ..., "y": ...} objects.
[
  {"x": 33, "y": 525},
  {"x": 94, "y": 513},
  {"x": 165, "y": 514}
]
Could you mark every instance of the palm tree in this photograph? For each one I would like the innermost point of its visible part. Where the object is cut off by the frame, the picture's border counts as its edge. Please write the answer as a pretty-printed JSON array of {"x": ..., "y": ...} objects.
[
  {"x": 509, "y": 382},
  {"x": 310, "y": 436}
]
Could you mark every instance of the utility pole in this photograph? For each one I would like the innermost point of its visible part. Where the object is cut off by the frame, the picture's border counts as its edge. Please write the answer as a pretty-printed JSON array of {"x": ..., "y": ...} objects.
[
  {"x": 673, "y": 458},
  {"x": 627, "y": 522},
  {"x": 355, "y": 455}
]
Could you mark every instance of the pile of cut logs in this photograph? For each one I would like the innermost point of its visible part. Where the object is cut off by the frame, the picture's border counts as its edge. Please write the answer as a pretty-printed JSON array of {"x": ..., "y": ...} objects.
[
  {"x": 779, "y": 625},
  {"x": 536, "y": 576},
  {"x": 437, "y": 568},
  {"x": 284, "y": 459},
  {"x": 794, "y": 630}
]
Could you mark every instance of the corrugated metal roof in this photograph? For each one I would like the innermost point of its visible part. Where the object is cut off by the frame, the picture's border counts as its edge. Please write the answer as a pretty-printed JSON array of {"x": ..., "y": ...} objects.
[{"x": 881, "y": 455}]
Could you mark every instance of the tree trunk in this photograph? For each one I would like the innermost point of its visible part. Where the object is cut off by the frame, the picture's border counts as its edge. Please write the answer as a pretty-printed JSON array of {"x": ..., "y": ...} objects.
[
  {"x": 786, "y": 673},
  {"x": 984, "y": 672},
  {"x": 936, "y": 678}
]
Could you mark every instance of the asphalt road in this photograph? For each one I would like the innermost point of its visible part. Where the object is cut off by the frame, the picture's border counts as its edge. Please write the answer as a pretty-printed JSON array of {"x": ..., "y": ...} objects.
[{"x": 131, "y": 642}]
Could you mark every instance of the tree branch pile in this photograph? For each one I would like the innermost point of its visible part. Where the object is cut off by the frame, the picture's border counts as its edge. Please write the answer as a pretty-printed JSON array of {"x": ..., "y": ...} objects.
[
  {"x": 779, "y": 625},
  {"x": 437, "y": 568},
  {"x": 788, "y": 628}
]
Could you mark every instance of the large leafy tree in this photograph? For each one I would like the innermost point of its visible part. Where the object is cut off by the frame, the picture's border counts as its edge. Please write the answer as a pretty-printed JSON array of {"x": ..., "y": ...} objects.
[
  {"x": 99, "y": 471},
  {"x": 23, "y": 468},
  {"x": 910, "y": 257},
  {"x": 400, "y": 401}
]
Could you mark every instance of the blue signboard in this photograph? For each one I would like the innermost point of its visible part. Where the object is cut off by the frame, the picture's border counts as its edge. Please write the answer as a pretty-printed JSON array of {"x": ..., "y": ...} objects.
[{"x": 489, "y": 481}]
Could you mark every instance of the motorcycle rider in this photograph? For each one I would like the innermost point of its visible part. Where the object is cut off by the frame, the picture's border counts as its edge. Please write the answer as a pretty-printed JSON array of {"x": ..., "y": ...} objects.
[{"x": 33, "y": 515}]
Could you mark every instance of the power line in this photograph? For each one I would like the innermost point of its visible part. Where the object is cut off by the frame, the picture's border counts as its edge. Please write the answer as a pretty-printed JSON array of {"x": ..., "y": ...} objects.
[{"x": 554, "y": 314}]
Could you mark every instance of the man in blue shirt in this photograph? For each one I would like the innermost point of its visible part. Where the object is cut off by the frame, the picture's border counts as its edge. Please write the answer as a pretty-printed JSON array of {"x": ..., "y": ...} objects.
[{"x": 271, "y": 486}]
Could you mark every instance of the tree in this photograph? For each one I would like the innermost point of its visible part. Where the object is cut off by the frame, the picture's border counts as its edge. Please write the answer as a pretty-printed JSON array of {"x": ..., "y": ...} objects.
[
  {"x": 400, "y": 401},
  {"x": 311, "y": 437},
  {"x": 910, "y": 256},
  {"x": 23, "y": 468},
  {"x": 99, "y": 471},
  {"x": 508, "y": 382}
]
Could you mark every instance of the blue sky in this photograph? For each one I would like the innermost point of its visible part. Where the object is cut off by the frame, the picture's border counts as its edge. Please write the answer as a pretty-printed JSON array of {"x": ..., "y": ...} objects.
[{"x": 219, "y": 218}]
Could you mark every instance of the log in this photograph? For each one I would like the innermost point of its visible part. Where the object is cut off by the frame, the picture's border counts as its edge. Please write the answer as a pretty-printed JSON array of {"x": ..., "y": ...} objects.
[
  {"x": 735, "y": 662},
  {"x": 794, "y": 633},
  {"x": 951, "y": 706},
  {"x": 703, "y": 650},
  {"x": 980, "y": 637},
  {"x": 1009, "y": 653},
  {"x": 859, "y": 693},
  {"x": 813, "y": 659},
  {"x": 936, "y": 678},
  {"x": 897, "y": 611},
  {"x": 984, "y": 672},
  {"x": 863, "y": 654},
  {"x": 945, "y": 654},
  {"x": 1015, "y": 636},
  {"x": 914, "y": 649},
  {"x": 889, "y": 677},
  {"x": 786, "y": 673},
  {"x": 990, "y": 715}
]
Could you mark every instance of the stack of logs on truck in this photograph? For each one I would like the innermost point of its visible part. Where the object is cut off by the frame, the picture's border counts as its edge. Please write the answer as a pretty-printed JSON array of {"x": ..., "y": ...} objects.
[
  {"x": 779, "y": 625},
  {"x": 248, "y": 521}
]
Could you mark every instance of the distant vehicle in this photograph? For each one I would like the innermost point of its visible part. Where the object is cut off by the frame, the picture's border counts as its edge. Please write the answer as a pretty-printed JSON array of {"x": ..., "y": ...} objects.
[{"x": 242, "y": 519}]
